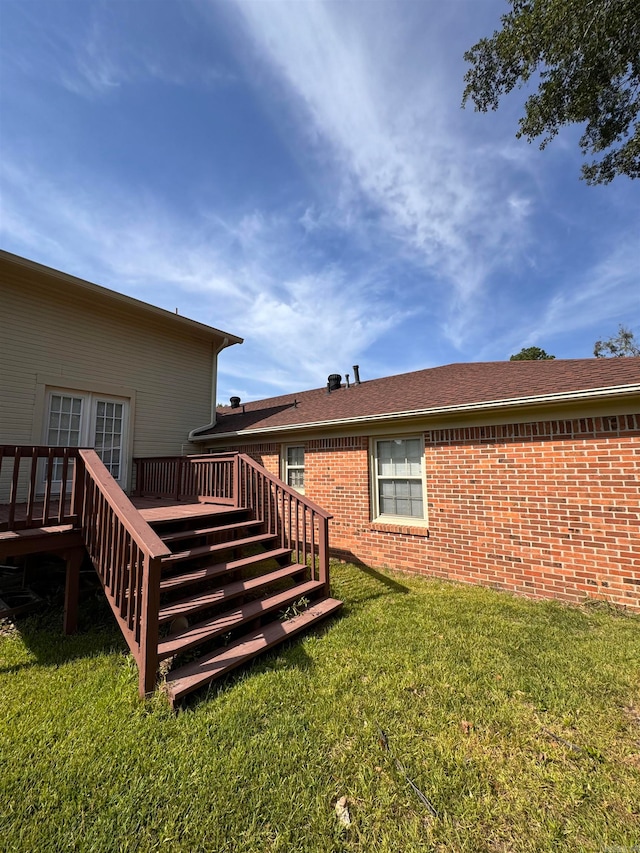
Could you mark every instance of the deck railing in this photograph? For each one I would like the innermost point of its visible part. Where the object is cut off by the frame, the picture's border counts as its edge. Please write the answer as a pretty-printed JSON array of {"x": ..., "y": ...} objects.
[
  {"x": 185, "y": 477},
  {"x": 52, "y": 486},
  {"x": 37, "y": 486},
  {"x": 238, "y": 480}
]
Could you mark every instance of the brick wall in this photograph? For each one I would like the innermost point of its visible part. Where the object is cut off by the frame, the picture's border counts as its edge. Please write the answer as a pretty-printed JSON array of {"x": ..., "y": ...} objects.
[{"x": 547, "y": 509}]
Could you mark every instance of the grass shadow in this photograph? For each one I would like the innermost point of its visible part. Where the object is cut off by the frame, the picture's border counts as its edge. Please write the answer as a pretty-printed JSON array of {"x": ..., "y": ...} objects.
[{"x": 42, "y": 631}]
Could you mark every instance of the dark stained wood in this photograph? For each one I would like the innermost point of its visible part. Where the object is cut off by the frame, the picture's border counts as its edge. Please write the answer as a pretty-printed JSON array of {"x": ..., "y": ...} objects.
[
  {"x": 203, "y": 600},
  {"x": 218, "y": 569},
  {"x": 227, "y": 501},
  {"x": 206, "y": 669},
  {"x": 206, "y": 550},
  {"x": 223, "y": 623},
  {"x": 206, "y": 531}
]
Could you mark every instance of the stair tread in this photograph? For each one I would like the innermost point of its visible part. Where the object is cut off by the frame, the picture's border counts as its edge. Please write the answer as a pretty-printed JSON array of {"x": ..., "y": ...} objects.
[
  {"x": 224, "y": 622},
  {"x": 202, "y": 600},
  {"x": 198, "y": 517},
  {"x": 217, "y": 569},
  {"x": 197, "y": 673},
  {"x": 204, "y": 531},
  {"x": 203, "y": 550}
]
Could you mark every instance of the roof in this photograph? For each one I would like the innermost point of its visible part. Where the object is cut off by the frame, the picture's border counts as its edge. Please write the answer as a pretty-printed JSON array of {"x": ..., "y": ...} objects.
[
  {"x": 450, "y": 388},
  {"x": 128, "y": 302}
]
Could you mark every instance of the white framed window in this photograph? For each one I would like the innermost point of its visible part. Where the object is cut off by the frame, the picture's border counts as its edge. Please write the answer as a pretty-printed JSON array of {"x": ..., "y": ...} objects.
[
  {"x": 398, "y": 487},
  {"x": 82, "y": 419},
  {"x": 293, "y": 466}
]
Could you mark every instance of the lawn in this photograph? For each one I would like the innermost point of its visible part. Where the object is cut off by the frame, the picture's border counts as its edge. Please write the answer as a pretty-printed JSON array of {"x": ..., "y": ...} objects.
[{"x": 518, "y": 723}]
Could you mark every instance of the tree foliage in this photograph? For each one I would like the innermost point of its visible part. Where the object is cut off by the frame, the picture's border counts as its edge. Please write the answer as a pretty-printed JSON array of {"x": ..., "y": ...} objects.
[
  {"x": 587, "y": 56},
  {"x": 531, "y": 354},
  {"x": 622, "y": 344}
]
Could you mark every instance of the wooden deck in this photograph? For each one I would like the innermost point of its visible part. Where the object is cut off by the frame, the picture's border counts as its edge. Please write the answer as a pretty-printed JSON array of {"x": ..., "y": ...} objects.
[
  {"x": 214, "y": 571},
  {"x": 51, "y": 538}
]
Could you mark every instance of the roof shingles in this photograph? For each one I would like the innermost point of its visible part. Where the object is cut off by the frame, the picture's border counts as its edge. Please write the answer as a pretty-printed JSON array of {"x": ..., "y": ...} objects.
[{"x": 452, "y": 385}]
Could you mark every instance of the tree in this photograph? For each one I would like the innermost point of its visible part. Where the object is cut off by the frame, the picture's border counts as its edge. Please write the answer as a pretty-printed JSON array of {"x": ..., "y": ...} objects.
[
  {"x": 531, "y": 354},
  {"x": 622, "y": 344},
  {"x": 587, "y": 56}
]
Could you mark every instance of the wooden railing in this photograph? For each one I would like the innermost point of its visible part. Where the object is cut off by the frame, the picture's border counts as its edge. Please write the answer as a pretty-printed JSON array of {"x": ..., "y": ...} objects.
[
  {"x": 300, "y": 523},
  {"x": 37, "y": 486},
  {"x": 186, "y": 477},
  {"x": 127, "y": 555},
  {"x": 52, "y": 486},
  {"x": 238, "y": 480}
]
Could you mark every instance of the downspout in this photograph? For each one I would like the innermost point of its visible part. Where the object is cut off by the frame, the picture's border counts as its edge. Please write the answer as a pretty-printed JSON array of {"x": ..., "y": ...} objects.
[{"x": 214, "y": 393}]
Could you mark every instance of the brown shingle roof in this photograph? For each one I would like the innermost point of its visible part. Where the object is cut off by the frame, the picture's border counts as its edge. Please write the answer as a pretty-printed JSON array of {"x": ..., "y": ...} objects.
[{"x": 456, "y": 386}]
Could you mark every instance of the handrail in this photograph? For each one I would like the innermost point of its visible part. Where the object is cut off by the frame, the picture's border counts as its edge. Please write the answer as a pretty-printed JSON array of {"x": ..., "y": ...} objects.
[
  {"x": 126, "y": 554},
  {"x": 287, "y": 489},
  {"x": 299, "y": 522},
  {"x": 141, "y": 532}
]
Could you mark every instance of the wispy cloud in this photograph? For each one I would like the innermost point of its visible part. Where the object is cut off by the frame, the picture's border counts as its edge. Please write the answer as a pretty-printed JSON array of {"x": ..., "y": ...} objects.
[
  {"x": 99, "y": 56},
  {"x": 390, "y": 133},
  {"x": 240, "y": 276}
]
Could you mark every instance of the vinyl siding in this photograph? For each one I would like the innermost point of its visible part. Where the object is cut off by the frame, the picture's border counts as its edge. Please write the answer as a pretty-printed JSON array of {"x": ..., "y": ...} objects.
[{"x": 80, "y": 341}]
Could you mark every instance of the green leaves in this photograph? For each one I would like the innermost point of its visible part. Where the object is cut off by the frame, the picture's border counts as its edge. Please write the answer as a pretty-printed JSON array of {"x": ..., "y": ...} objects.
[
  {"x": 531, "y": 354},
  {"x": 587, "y": 54}
]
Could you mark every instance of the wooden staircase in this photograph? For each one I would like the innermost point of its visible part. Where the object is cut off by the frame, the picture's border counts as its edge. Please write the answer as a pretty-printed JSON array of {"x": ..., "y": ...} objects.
[
  {"x": 222, "y": 562},
  {"x": 228, "y": 591}
]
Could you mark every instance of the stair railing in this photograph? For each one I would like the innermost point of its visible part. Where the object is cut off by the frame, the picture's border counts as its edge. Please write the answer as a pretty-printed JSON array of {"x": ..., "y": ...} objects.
[
  {"x": 300, "y": 523},
  {"x": 126, "y": 554}
]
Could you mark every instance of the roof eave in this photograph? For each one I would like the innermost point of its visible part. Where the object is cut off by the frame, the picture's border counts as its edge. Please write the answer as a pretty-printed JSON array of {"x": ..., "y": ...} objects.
[
  {"x": 121, "y": 298},
  {"x": 493, "y": 405}
]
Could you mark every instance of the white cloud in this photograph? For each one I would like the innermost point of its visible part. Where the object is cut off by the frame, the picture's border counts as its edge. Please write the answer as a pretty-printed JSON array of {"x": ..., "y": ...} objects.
[
  {"x": 389, "y": 131},
  {"x": 241, "y": 276}
]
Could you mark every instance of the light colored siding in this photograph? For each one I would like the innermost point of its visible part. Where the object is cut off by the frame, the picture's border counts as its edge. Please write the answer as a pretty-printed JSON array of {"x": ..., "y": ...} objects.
[{"x": 79, "y": 340}]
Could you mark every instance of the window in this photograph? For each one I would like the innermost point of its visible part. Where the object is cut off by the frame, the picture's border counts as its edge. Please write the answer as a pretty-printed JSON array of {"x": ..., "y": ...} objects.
[
  {"x": 88, "y": 420},
  {"x": 398, "y": 478},
  {"x": 293, "y": 467}
]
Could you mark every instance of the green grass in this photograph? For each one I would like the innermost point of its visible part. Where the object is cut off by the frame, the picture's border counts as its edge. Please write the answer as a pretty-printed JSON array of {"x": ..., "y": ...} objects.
[{"x": 519, "y": 721}]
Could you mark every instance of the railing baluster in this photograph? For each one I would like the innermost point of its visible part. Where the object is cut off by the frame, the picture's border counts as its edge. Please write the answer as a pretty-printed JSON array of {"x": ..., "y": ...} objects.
[{"x": 31, "y": 496}]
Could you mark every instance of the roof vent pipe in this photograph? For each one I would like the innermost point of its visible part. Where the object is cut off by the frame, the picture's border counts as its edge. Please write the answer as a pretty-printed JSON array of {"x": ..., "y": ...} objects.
[
  {"x": 334, "y": 382},
  {"x": 235, "y": 402},
  {"x": 356, "y": 374}
]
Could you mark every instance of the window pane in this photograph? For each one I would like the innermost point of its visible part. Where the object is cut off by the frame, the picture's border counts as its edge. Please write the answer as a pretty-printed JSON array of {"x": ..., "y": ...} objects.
[
  {"x": 108, "y": 434},
  {"x": 401, "y": 457},
  {"x": 401, "y": 497},
  {"x": 296, "y": 478},
  {"x": 295, "y": 455}
]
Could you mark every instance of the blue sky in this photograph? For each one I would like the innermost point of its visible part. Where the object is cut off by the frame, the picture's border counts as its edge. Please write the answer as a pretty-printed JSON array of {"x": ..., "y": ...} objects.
[{"x": 301, "y": 174}]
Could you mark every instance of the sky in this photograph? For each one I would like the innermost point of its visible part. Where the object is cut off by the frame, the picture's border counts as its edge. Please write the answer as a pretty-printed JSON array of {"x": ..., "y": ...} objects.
[{"x": 301, "y": 174}]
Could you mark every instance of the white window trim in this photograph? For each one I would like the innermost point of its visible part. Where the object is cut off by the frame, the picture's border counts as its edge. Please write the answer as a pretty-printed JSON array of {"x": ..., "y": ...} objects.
[
  {"x": 284, "y": 465},
  {"x": 405, "y": 520}
]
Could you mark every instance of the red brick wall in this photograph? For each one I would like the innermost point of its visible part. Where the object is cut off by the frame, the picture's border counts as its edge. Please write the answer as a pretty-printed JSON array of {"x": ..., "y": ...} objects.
[{"x": 546, "y": 509}]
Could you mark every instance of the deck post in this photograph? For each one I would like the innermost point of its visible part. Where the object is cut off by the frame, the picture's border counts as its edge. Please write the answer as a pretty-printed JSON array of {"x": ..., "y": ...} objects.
[
  {"x": 323, "y": 552},
  {"x": 77, "y": 491},
  {"x": 74, "y": 560},
  {"x": 149, "y": 627}
]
